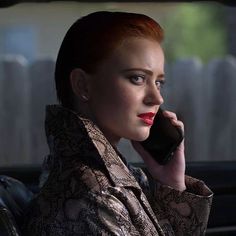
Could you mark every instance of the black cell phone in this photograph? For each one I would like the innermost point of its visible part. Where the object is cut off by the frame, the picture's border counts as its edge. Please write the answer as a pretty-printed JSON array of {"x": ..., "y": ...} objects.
[{"x": 163, "y": 139}]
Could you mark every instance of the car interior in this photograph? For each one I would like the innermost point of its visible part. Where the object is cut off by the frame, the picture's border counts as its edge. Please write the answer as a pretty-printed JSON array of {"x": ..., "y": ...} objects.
[{"x": 204, "y": 60}]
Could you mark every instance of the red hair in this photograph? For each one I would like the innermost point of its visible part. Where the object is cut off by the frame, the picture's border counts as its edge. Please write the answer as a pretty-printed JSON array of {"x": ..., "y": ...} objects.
[{"x": 93, "y": 38}]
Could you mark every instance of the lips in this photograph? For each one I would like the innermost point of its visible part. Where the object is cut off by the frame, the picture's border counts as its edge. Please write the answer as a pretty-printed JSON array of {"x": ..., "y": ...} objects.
[{"x": 147, "y": 117}]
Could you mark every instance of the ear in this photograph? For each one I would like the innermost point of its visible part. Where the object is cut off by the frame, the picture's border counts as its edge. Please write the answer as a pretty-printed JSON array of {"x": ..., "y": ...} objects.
[{"x": 80, "y": 83}]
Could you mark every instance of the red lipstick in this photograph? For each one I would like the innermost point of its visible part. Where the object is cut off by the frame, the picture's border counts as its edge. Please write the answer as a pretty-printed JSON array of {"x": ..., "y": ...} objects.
[{"x": 147, "y": 117}]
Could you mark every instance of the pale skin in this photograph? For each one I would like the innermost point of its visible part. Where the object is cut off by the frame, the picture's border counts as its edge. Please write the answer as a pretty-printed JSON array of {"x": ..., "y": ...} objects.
[{"x": 124, "y": 85}]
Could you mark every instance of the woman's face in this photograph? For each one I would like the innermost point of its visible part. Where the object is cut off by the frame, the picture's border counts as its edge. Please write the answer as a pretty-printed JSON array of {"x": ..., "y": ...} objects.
[{"x": 126, "y": 85}]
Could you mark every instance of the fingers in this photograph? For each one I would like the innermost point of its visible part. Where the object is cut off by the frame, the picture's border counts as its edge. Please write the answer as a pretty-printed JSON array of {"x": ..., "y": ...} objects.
[
  {"x": 174, "y": 120},
  {"x": 170, "y": 114},
  {"x": 178, "y": 123}
]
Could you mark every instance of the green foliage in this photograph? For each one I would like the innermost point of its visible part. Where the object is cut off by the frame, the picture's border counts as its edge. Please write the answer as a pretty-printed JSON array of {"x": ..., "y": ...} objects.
[{"x": 195, "y": 30}]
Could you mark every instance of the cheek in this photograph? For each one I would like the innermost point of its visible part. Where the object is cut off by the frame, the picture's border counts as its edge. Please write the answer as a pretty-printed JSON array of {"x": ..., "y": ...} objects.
[
  {"x": 107, "y": 98},
  {"x": 126, "y": 102},
  {"x": 124, "y": 99},
  {"x": 117, "y": 96}
]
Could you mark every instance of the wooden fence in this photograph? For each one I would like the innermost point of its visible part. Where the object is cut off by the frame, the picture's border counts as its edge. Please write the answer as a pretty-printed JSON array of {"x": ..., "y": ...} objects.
[{"x": 203, "y": 96}]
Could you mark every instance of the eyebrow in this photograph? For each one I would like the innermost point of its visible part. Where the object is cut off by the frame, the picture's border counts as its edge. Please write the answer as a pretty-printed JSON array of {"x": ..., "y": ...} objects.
[{"x": 149, "y": 72}]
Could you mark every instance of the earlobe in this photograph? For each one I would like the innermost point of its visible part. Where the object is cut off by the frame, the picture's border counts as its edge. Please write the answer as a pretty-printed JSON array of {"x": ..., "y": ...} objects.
[{"x": 79, "y": 84}]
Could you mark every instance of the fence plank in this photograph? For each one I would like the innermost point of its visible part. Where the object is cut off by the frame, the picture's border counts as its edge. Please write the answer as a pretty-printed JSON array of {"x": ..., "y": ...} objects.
[
  {"x": 42, "y": 93},
  {"x": 221, "y": 78},
  {"x": 185, "y": 97},
  {"x": 14, "y": 112}
]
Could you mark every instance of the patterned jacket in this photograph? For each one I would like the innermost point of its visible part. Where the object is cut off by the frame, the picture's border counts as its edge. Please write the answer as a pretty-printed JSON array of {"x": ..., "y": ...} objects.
[{"x": 91, "y": 190}]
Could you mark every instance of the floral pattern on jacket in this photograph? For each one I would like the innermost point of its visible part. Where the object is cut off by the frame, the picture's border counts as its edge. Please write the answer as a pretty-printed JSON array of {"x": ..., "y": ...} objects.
[{"x": 91, "y": 190}]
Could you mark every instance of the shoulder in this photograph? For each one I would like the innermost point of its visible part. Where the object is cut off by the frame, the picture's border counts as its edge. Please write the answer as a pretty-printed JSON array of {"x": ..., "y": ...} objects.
[
  {"x": 92, "y": 212},
  {"x": 68, "y": 202}
]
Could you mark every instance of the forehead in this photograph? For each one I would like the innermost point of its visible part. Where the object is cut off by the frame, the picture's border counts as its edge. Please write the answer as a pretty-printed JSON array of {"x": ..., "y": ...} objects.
[{"x": 136, "y": 53}]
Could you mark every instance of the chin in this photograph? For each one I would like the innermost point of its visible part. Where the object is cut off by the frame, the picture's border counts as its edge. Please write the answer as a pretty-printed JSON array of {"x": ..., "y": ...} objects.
[
  {"x": 136, "y": 134},
  {"x": 141, "y": 136}
]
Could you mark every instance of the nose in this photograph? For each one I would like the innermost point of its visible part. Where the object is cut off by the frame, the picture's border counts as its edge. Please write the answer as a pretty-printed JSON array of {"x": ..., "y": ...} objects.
[{"x": 153, "y": 96}]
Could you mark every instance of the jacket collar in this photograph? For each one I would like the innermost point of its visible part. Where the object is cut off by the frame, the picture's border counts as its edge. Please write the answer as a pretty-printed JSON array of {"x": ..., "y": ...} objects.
[{"x": 73, "y": 139}]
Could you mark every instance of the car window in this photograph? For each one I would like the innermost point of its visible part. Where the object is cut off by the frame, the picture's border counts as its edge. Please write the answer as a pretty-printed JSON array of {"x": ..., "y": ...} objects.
[{"x": 200, "y": 71}]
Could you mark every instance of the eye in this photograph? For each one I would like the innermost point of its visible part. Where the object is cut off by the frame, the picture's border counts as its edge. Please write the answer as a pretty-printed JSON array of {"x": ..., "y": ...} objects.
[
  {"x": 137, "y": 79},
  {"x": 160, "y": 83}
]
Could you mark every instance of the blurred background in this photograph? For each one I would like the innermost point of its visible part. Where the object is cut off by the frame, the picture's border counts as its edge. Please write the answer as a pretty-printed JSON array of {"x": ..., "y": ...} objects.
[{"x": 200, "y": 66}]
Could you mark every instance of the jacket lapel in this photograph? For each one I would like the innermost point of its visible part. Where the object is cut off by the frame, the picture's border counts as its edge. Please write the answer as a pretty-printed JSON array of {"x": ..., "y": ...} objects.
[
  {"x": 70, "y": 134},
  {"x": 118, "y": 171},
  {"x": 80, "y": 130}
]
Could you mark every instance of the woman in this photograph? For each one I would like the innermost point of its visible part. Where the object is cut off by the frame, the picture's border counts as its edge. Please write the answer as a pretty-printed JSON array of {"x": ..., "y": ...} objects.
[{"x": 109, "y": 72}]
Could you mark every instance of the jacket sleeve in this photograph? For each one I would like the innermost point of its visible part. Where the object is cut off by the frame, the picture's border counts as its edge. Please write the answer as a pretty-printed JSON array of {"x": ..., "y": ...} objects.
[{"x": 184, "y": 213}]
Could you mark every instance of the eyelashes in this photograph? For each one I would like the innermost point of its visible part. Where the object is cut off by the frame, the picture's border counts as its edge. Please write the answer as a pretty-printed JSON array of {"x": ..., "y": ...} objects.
[
  {"x": 137, "y": 79},
  {"x": 140, "y": 80},
  {"x": 160, "y": 83}
]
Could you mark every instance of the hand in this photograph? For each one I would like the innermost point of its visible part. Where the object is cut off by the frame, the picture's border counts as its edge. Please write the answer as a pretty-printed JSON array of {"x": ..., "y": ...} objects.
[{"x": 173, "y": 173}]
